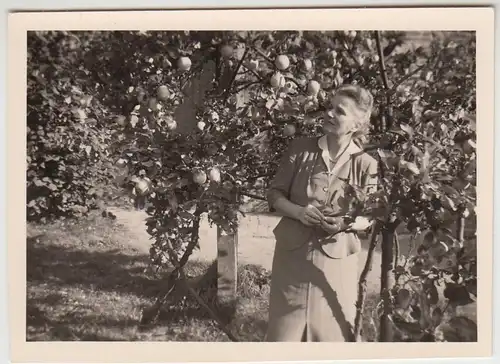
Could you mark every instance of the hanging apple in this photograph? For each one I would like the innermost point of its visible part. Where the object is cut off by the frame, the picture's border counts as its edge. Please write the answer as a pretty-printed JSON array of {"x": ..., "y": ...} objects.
[
  {"x": 184, "y": 63},
  {"x": 163, "y": 93},
  {"x": 199, "y": 176},
  {"x": 313, "y": 88},
  {"x": 214, "y": 175},
  {"x": 277, "y": 80},
  {"x": 201, "y": 125},
  {"x": 121, "y": 120},
  {"x": 289, "y": 130},
  {"x": 282, "y": 62},
  {"x": 226, "y": 51},
  {"x": 307, "y": 64}
]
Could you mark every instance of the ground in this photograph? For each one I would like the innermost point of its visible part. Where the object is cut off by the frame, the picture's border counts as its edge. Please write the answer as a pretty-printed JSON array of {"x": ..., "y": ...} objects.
[{"x": 89, "y": 281}]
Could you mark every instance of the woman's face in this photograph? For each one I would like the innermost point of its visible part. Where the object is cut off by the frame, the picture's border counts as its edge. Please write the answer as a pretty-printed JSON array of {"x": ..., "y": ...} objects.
[{"x": 341, "y": 116}]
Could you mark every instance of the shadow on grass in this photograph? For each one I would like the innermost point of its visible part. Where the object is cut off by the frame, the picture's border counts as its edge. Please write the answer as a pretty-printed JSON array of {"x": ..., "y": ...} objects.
[{"x": 76, "y": 293}]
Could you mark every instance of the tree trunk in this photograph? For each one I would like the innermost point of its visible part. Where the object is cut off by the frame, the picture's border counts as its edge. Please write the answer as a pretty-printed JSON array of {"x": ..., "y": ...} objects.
[
  {"x": 387, "y": 283},
  {"x": 360, "y": 304}
]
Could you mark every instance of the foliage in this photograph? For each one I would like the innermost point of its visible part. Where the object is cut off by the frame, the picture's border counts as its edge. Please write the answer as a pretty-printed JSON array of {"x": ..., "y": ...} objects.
[{"x": 206, "y": 116}]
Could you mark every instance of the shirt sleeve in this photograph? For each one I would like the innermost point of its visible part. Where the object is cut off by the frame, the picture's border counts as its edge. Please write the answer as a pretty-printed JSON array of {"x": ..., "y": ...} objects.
[{"x": 282, "y": 181}]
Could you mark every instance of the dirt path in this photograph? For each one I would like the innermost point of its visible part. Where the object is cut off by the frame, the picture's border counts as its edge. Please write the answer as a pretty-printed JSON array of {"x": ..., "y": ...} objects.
[{"x": 256, "y": 241}]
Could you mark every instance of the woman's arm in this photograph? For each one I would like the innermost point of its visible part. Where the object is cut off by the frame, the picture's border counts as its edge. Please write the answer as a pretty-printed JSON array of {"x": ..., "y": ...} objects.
[{"x": 279, "y": 191}]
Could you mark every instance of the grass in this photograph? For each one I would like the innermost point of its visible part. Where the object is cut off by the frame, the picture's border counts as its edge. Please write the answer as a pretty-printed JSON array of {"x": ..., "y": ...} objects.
[{"x": 86, "y": 282}]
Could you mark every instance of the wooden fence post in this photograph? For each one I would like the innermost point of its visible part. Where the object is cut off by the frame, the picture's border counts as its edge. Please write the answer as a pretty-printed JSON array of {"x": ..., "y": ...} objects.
[{"x": 227, "y": 268}]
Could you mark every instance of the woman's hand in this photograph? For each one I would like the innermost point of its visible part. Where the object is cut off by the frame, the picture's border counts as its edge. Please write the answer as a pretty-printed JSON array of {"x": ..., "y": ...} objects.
[
  {"x": 310, "y": 215},
  {"x": 332, "y": 225}
]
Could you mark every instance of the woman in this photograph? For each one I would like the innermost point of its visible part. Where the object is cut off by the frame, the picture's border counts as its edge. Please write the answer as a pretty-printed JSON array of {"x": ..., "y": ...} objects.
[{"x": 315, "y": 265}]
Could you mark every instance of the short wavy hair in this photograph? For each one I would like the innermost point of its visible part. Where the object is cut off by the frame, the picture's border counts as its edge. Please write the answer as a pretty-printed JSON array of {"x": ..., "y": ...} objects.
[{"x": 364, "y": 101}]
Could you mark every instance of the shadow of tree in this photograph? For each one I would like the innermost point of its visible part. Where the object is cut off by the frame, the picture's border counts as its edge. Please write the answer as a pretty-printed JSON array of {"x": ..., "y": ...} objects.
[{"x": 115, "y": 286}]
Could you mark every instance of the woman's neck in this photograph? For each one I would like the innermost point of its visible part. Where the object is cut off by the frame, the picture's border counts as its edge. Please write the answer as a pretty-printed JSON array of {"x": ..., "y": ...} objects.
[{"x": 337, "y": 144}]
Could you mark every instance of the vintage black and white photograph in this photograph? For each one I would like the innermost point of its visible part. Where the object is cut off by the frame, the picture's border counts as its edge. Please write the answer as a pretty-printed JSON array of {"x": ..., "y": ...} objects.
[{"x": 252, "y": 186}]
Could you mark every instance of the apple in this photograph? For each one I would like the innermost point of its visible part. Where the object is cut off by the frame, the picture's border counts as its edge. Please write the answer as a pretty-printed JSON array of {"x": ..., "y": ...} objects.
[
  {"x": 307, "y": 64},
  {"x": 184, "y": 63},
  {"x": 277, "y": 80},
  {"x": 120, "y": 120},
  {"x": 226, "y": 51},
  {"x": 333, "y": 54},
  {"x": 313, "y": 88},
  {"x": 201, "y": 125},
  {"x": 199, "y": 176},
  {"x": 352, "y": 34},
  {"x": 376, "y": 58},
  {"x": 289, "y": 130},
  {"x": 214, "y": 175},
  {"x": 282, "y": 62},
  {"x": 163, "y": 93},
  {"x": 171, "y": 124},
  {"x": 368, "y": 42}
]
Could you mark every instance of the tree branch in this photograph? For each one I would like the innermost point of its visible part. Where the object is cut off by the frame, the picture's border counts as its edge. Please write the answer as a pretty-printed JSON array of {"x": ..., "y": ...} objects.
[
  {"x": 251, "y": 195},
  {"x": 228, "y": 89},
  {"x": 381, "y": 60}
]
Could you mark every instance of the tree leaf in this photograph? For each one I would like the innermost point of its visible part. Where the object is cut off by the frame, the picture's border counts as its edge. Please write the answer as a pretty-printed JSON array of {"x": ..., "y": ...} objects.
[
  {"x": 457, "y": 294},
  {"x": 458, "y": 329},
  {"x": 407, "y": 129}
]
